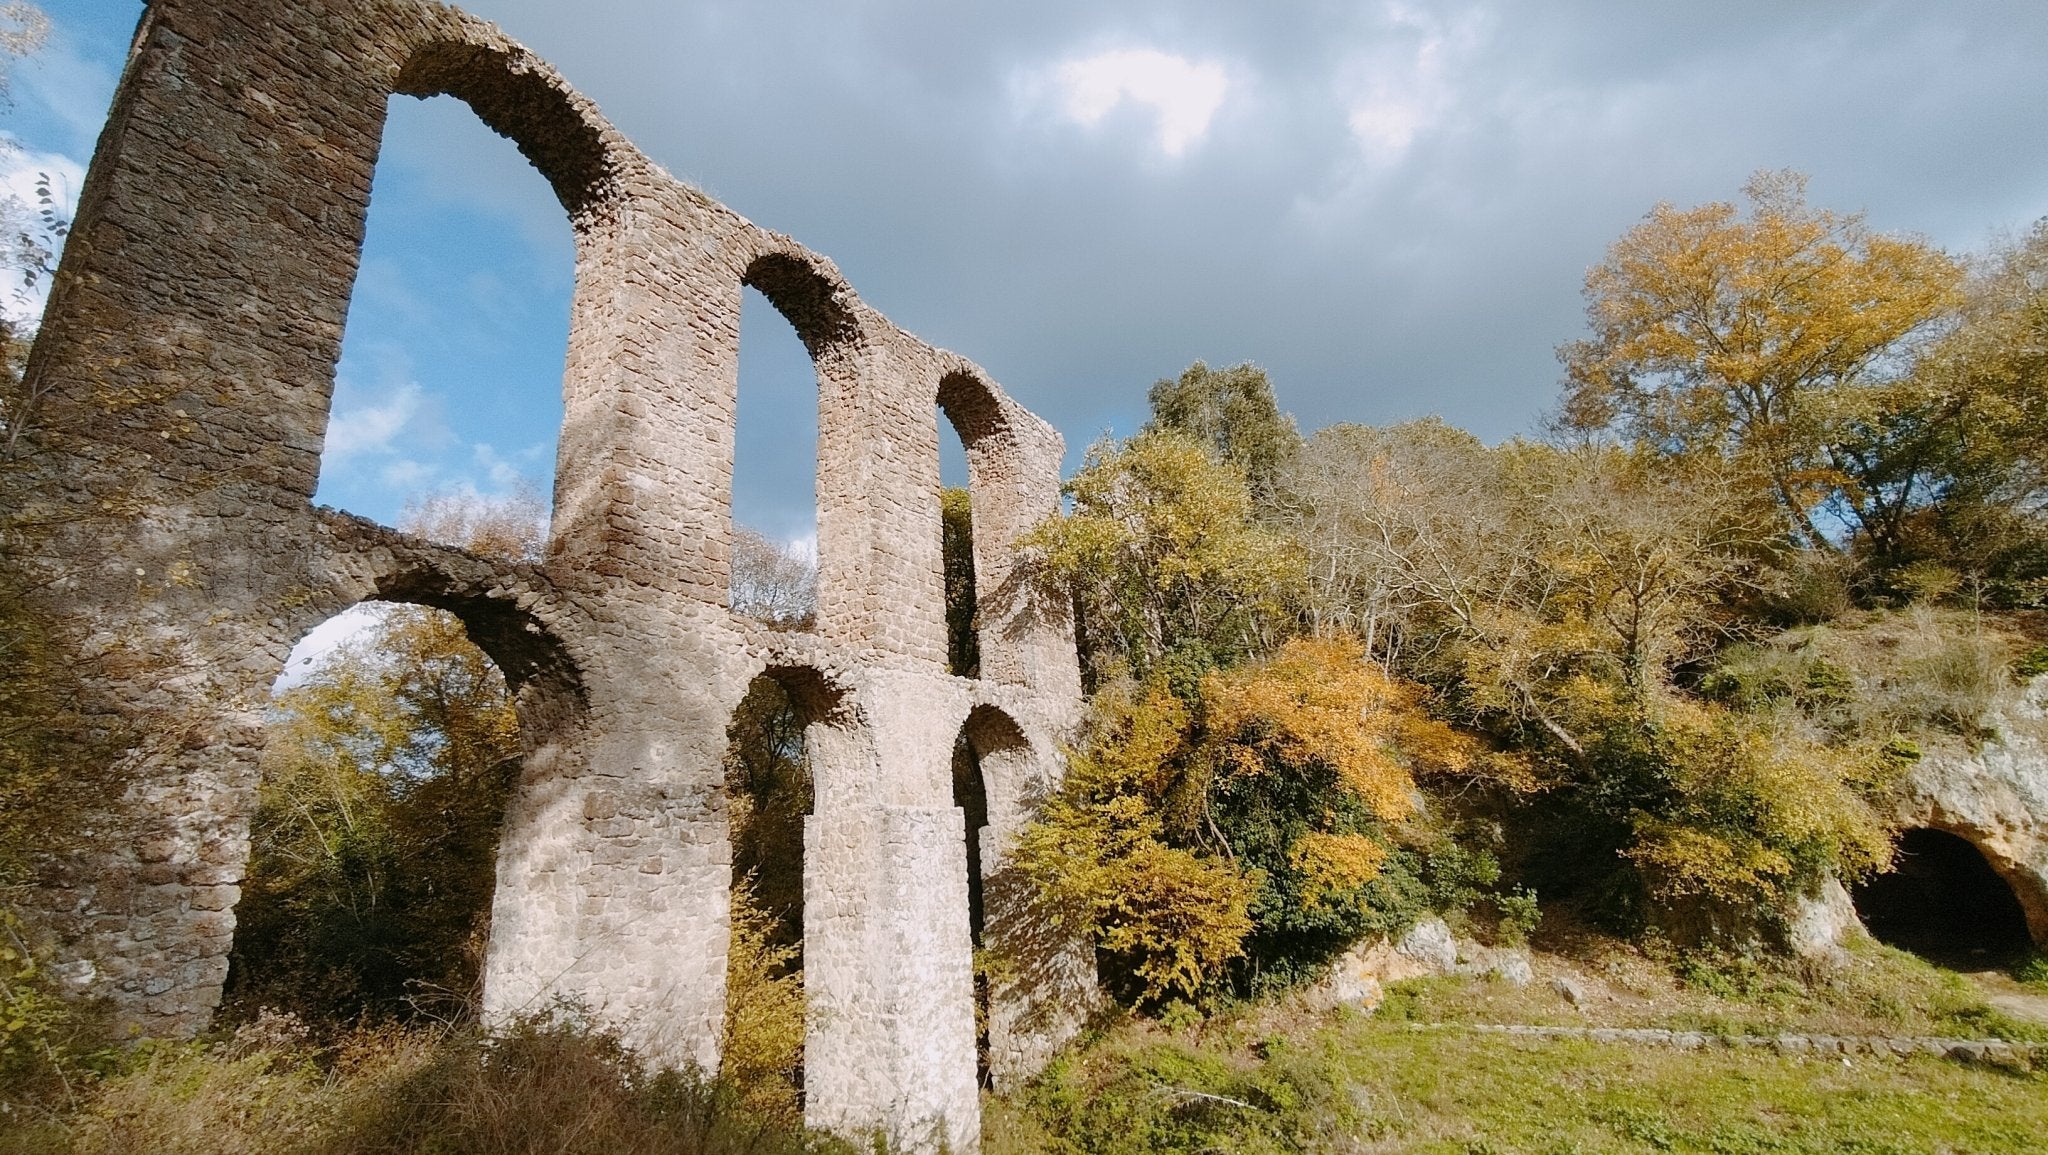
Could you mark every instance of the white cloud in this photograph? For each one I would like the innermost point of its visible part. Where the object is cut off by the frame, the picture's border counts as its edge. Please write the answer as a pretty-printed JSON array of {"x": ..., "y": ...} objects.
[
  {"x": 503, "y": 474},
  {"x": 323, "y": 640},
  {"x": 372, "y": 428},
  {"x": 407, "y": 476},
  {"x": 1406, "y": 85},
  {"x": 38, "y": 197},
  {"x": 1183, "y": 94}
]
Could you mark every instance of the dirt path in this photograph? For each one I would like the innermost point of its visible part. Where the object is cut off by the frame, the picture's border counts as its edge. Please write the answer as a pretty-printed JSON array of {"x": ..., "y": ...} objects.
[{"x": 2009, "y": 996}]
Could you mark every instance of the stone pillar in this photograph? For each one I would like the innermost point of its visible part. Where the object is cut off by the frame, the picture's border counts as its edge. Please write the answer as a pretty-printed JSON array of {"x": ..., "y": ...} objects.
[
  {"x": 614, "y": 881},
  {"x": 181, "y": 380},
  {"x": 888, "y": 962},
  {"x": 1044, "y": 987},
  {"x": 643, "y": 476},
  {"x": 888, "y": 974}
]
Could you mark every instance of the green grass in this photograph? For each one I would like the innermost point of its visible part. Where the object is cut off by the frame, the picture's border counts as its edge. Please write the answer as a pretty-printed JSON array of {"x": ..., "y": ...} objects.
[
  {"x": 1265, "y": 1079},
  {"x": 1452, "y": 1091},
  {"x": 1275, "y": 1077},
  {"x": 1880, "y": 991},
  {"x": 1354, "y": 1084}
]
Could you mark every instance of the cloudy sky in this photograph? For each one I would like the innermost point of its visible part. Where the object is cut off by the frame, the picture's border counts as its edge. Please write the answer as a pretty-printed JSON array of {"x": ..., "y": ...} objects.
[{"x": 1390, "y": 206}]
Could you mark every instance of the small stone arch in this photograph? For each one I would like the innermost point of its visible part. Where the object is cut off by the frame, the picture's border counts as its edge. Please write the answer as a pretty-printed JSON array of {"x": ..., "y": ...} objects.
[
  {"x": 544, "y": 688},
  {"x": 508, "y": 609},
  {"x": 1006, "y": 762},
  {"x": 530, "y": 655},
  {"x": 1007, "y": 449},
  {"x": 809, "y": 292}
]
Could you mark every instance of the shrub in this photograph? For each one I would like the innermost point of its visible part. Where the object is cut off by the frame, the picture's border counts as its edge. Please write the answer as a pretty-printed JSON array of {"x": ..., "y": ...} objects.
[
  {"x": 762, "y": 1049},
  {"x": 1705, "y": 822},
  {"x": 1244, "y": 838},
  {"x": 1875, "y": 675},
  {"x": 1168, "y": 1097},
  {"x": 550, "y": 1083}
]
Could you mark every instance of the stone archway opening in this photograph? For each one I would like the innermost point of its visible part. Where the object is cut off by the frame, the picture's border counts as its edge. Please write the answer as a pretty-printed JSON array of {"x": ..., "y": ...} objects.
[
  {"x": 457, "y": 330},
  {"x": 775, "y": 470},
  {"x": 1942, "y": 900},
  {"x": 794, "y": 378},
  {"x": 989, "y": 745},
  {"x": 770, "y": 793},
  {"x": 970, "y": 436},
  {"x": 392, "y": 745}
]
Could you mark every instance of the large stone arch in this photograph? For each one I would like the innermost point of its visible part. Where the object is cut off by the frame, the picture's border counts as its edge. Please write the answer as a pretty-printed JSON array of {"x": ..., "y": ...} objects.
[
  {"x": 1012, "y": 479},
  {"x": 557, "y": 129},
  {"x": 176, "y": 403},
  {"x": 828, "y": 318}
]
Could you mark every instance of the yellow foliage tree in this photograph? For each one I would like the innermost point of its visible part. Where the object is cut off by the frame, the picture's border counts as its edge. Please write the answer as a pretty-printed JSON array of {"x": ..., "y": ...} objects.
[
  {"x": 1249, "y": 829},
  {"x": 1756, "y": 338},
  {"x": 1753, "y": 813},
  {"x": 1163, "y": 556}
]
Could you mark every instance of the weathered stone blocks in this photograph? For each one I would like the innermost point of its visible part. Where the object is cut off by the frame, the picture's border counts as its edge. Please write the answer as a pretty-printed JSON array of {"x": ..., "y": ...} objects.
[{"x": 183, "y": 376}]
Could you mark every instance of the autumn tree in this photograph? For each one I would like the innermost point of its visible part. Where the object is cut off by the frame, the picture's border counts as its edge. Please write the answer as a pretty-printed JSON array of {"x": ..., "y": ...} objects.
[
  {"x": 1950, "y": 469},
  {"x": 1234, "y": 412},
  {"x": 1162, "y": 555},
  {"x": 1542, "y": 585},
  {"x": 769, "y": 792},
  {"x": 1754, "y": 337},
  {"x": 1247, "y": 836}
]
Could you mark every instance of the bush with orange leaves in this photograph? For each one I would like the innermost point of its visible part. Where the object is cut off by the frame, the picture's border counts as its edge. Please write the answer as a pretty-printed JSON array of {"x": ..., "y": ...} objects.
[{"x": 1239, "y": 840}]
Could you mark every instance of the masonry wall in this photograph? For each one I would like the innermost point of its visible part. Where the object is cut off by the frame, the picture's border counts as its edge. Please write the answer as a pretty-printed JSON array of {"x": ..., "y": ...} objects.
[{"x": 181, "y": 388}]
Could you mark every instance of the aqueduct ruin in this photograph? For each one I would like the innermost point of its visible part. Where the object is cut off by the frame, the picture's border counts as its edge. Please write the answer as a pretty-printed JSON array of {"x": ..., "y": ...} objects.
[{"x": 181, "y": 387}]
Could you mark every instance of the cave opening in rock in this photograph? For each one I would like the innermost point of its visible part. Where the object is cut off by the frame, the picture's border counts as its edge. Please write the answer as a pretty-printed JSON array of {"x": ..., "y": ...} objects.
[{"x": 1943, "y": 901}]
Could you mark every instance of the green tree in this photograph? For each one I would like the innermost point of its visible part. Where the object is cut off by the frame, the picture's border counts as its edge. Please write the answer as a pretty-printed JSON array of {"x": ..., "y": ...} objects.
[
  {"x": 1162, "y": 556},
  {"x": 956, "y": 551},
  {"x": 1233, "y": 411},
  {"x": 1757, "y": 338}
]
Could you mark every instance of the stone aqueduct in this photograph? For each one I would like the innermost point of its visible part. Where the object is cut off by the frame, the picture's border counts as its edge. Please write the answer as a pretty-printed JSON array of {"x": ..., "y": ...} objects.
[{"x": 183, "y": 377}]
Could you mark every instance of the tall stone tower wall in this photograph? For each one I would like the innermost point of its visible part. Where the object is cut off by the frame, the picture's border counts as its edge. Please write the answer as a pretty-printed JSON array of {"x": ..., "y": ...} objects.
[{"x": 177, "y": 400}]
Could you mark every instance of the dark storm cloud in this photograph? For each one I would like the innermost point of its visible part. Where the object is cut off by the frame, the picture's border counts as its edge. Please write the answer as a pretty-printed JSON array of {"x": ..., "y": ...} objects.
[
  {"x": 1425, "y": 259},
  {"x": 1392, "y": 207}
]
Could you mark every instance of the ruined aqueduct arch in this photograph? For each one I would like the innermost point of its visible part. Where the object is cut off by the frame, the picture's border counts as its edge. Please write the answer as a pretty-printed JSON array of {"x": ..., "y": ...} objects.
[{"x": 184, "y": 373}]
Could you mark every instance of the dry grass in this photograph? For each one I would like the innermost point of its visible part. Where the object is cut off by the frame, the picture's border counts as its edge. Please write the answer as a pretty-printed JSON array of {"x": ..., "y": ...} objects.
[
  {"x": 1920, "y": 671},
  {"x": 550, "y": 1086}
]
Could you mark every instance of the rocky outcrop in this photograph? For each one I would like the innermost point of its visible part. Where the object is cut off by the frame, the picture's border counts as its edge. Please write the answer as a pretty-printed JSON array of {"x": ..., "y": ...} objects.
[
  {"x": 1429, "y": 950},
  {"x": 1996, "y": 796}
]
